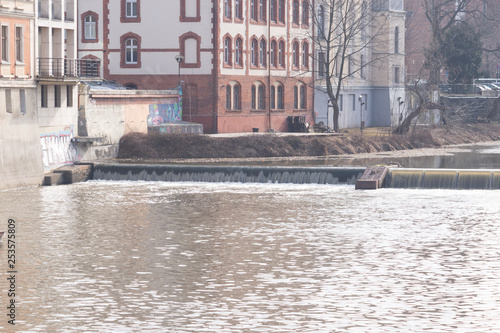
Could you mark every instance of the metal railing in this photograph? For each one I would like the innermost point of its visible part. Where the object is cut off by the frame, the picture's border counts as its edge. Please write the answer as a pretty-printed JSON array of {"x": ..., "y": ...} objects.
[{"x": 60, "y": 67}]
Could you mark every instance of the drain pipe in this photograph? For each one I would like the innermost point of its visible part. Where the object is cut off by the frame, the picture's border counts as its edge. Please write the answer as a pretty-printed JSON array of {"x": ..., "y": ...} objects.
[
  {"x": 215, "y": 71},
  {"x": 269, "y": 61}
]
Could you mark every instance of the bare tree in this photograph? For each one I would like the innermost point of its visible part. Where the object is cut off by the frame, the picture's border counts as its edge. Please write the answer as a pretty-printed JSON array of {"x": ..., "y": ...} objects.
[{"x": 345, "y": 33}]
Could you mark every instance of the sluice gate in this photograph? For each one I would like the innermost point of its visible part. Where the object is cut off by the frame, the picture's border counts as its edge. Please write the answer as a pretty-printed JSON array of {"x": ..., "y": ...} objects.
[
  {"x": 241, "y": 174},
  {"x": 442, "y": 179}
]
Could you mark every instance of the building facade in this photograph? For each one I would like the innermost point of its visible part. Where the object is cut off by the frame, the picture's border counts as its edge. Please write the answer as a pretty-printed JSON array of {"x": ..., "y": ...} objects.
[
  {"x": 20, "y": 158},
  {"x": 372, "y": 92},
  {"x": 242, "y": 64}
]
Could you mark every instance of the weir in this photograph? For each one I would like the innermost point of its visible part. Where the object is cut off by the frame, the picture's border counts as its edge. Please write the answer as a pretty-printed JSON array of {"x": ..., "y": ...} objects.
[
  {"x": 241, "y": 174},
  {"x": 443, "y": 179}
]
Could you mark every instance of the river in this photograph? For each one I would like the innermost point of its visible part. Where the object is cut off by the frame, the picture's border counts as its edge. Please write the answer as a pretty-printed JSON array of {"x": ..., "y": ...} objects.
[{"x": 106, "y": 256}]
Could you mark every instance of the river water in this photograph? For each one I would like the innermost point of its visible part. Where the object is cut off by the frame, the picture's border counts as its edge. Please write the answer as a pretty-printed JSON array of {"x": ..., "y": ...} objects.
[{"x": 107, "y": 256}]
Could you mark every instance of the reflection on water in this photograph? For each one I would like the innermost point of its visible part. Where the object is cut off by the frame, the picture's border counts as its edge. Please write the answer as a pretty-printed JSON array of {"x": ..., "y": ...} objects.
[{"x": 185, "y": 257}]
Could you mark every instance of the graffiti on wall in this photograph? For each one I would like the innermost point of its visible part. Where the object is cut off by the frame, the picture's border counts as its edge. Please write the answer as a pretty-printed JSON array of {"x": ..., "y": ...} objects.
[
  {"x": 58, "y": 149},
  {"x": 160, "y": 114}
]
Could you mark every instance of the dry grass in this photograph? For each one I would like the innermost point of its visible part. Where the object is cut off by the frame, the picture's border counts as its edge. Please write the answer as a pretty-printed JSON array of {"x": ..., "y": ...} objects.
[{"x": 159, "y": 146}]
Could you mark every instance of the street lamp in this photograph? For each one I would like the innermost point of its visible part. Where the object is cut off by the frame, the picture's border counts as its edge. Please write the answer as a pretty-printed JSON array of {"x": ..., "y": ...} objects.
[
  {"x": 179, "y": 58},
  {"x": 330, "y": 106},
  {"x": 361, "y": 103}
]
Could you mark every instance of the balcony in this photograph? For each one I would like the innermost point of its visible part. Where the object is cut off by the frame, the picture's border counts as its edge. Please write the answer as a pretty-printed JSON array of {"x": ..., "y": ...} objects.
[{"x": 58, "y": 68}]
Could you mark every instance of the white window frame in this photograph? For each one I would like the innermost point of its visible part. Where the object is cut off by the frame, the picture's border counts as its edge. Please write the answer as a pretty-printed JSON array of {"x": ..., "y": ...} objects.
[
  {"x": 90, "y": 25},
  {"x": 130, "y": 8},
  {"x": 129, "y": 50},
  {"x": 5, "y": 43},
  {"x": 20, "y": 46}
]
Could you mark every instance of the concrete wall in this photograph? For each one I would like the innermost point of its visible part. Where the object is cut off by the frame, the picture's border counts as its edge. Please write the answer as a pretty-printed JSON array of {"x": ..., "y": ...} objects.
[
  {"x": 20, "y": 158},
  {"x": 468, "y": 109},
  {"x": 110, "y": 114}
]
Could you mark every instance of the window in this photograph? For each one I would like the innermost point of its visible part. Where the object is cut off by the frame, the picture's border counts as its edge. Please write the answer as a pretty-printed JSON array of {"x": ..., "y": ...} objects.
[
  {"x": 273, "y": 10},
  {"x": 281, "y": 11},
  {"x": 236, "y": 96},
  {"x": 253, "y": 96},
  {"x": 90, "y": 27},
  {"x": 363, "y": 66},
  {"x": 57, "y": 96},
  {"x": 273, "y": 97},
  {"x": 19, "y": 45},
  {"x": 273, "y": 53},
  {"x": 341, "y": 102},
  {"x": 321, "y": 64},
  {"x": 44, "y": 96},
  {"x": 227, "y": 51},
  {"x": 229, "y": 104},
  {"x": 352, "y": 97},
  {"x": 397, "y": 75},
  {"x": 190, "y": 10},
  {"x": 350, "y": 65},
  {"x": 396, "y": 40},
  {"x": 281, "y": 54},
  {"x": 190, "y": 49},
  {"x": 295, "y": 54},
  {"x": 281, "y": 97},
  {"x": 253, "y": 53},
  {"x": 321, "y": 22},
  {"x": 305, "y": 12},
  {"x": 305, "y": 55},
  {"x": 262, "y": 10},
  {"x": 253, "y": 10},
  {"x": 238, "y": 9},
  {"x": 262, "y": 97},
  {"x": 296, "y": 12},
  {"x": 262, "y": 53},
  {"x": 22, "y": 100},
  {"x": 295, "y": 97},
  {"x": 5, "y": 43},
  {"x": 303, "y": 96},
  {"x": 8, "y": 100},
  {"x": 227, "y": 9},
  {"x": 131, "y": 8},
  {"x": 69, "y": 96},
  {"x": 238, "y": 52},
  {"x": 131, "y": 51}
]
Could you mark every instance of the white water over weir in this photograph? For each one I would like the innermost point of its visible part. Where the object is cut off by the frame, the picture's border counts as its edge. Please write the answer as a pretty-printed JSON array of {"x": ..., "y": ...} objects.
[{"x": 217, "y": 174}]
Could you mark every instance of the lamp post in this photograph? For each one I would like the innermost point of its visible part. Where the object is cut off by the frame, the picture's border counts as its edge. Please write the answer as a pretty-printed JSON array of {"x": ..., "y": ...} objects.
[
  {"x": 330, "y": 106},
  {"x": 361, "y": 103},
  {"x": 179, "y": 58}
]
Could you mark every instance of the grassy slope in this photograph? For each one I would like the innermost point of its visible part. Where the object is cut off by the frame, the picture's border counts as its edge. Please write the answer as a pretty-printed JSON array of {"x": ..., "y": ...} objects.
[{"x": 157, "y": 146}]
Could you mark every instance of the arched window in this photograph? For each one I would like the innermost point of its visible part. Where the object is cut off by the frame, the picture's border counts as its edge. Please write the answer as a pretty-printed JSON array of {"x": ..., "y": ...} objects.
[
  {"x": 190, "y": 48},
  {"x": 254, "y": 56},
  {"x": 262, "y": 53},
  {"x": 303, "y": 96},
  {"x": 253, "y": 96},
  {"x": 396, "y": 40},
  {"x": 273, "y": 54},
  {"x": 253, "y": 9},
  {"x": 237, "y": 96},
  {"x": 227, "y": 51},
  {"x": 272, "y": 98},
  {"x": 321, "y": 21},
  {"x": 280, "y": 98},
  {"x": 233, "y": 96},
  {"x": 238, "y": 9},
  {"x": 295, "y": 54},
  {"x": 262, "y": 97},
  {"x": 227, "y": 9},
  {"x": 273, "y": 10},
  {"x": 281, "y": 11},
  {"x": 262, "y": 10},
  {"x": 296, "y": 11},
  {"x": 238, "y": 52},
  {"x": 305, "y": 55},
  {"x": 131, "y": 51},
  {"x": 281, "y": 54},
  {"x": 305, "y": 12},
  {"x": 229, "y": 104},
  {"x": 90, "y": 27}
]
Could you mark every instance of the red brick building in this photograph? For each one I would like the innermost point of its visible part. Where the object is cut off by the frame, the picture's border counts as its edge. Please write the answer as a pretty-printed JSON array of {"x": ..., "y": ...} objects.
[{"x": 244, "y": 64}]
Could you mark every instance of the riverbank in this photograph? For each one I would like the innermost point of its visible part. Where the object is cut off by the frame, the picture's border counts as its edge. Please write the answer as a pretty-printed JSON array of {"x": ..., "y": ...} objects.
[{"x": 136, "y": 146}]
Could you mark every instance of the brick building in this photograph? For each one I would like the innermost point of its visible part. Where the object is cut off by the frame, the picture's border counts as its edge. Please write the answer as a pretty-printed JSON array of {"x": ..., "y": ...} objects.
[{"x": 244, "y": 64}]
